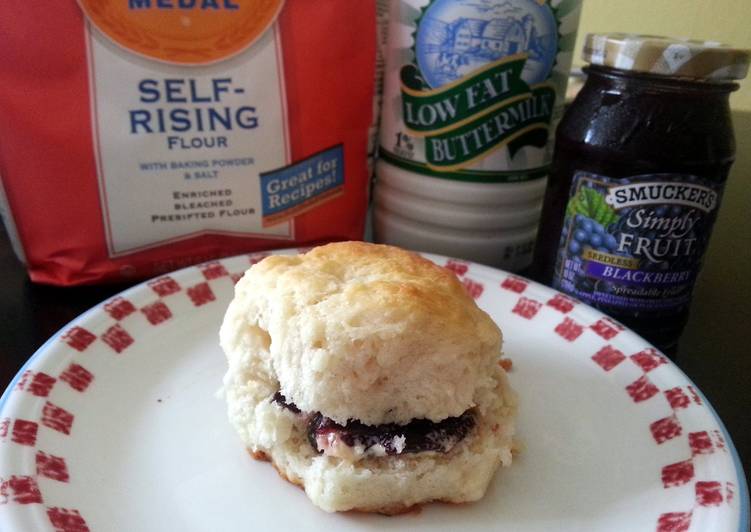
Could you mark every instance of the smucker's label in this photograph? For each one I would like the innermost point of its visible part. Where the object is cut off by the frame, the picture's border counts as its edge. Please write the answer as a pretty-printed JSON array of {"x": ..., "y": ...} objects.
[
  {"x": 635, "y": 244},
  {"x": 477, "y": 88}
]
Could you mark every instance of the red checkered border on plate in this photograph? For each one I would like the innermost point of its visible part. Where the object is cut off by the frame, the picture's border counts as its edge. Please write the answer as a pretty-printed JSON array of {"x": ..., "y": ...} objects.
[
  {"x": 707, "y": 492},
  {"x": 473, "y": 287},
  {"x": 25, "y": 489}
]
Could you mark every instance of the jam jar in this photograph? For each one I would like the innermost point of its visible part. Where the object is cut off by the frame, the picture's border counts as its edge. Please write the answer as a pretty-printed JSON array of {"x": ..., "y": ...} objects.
[{"x": 640, "y": 161}]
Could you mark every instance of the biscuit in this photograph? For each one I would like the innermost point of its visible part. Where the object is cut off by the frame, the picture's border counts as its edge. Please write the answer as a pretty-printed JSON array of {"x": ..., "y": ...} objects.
[{"x": 375, "y": 334}]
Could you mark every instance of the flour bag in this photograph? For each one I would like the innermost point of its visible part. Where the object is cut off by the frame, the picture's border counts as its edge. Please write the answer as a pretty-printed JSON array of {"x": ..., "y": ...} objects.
[{"x": 140, "y": 136}]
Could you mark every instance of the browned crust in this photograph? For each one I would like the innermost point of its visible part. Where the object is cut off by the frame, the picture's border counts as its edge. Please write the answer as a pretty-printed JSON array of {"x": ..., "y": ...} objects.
[
  {"x": 402, "y": 509},
  {"x": 299, "y": 483},
  {"x": 259, "y": 455},
  {"x": 263, "y": 457},
  {"x": 390, "y": 511}
]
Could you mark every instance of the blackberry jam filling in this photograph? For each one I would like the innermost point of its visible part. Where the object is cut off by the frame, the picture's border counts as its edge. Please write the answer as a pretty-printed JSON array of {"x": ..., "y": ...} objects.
[
  {"x": 282, "y": 401},
  {"x": 419, "y": 435}
]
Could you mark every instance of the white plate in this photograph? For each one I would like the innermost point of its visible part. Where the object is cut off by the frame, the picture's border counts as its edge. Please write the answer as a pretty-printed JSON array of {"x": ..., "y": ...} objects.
[{"x": 114, "y": 425}]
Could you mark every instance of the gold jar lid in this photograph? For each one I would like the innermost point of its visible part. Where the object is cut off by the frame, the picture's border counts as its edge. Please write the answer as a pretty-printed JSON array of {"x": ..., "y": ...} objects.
[{"x": 667, "y": 56}]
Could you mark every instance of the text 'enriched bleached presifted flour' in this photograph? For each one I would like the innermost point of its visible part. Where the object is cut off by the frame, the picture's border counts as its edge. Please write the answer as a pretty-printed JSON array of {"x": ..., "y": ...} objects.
[{"x": 138, "y": 136}]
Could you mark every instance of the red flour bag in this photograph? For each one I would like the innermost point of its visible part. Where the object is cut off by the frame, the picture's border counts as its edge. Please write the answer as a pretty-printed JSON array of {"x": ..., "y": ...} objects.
[{"x": 139, "y": 136}]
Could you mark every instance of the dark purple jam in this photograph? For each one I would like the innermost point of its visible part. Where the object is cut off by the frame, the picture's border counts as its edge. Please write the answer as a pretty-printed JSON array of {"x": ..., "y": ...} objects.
[
  {"x": 282, "y": 401},
  {"x": 419, "y": 435}
]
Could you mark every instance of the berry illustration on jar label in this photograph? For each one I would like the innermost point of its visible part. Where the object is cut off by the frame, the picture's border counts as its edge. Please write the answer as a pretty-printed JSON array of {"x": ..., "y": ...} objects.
[{"x": 636, "y": 243}]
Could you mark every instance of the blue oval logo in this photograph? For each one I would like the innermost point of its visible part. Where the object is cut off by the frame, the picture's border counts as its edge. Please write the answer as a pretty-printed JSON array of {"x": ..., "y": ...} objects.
[{"x": 456, "y": 37}]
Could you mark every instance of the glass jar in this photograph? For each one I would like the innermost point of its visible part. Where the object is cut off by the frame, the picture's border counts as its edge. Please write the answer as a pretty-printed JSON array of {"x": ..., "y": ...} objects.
[{"x": 640, "y": 161}]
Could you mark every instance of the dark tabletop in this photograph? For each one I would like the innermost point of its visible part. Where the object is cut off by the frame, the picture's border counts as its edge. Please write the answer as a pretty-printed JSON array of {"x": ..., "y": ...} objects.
[{"x": 30, "y": 314}]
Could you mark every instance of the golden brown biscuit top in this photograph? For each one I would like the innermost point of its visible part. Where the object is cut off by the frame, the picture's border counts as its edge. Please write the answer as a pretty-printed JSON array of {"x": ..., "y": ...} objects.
[{"x": 366, "y": 331}]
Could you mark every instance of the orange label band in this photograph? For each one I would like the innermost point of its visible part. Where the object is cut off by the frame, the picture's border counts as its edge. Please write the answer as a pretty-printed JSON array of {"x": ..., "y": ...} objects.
[{"x": 193, "y": 32}]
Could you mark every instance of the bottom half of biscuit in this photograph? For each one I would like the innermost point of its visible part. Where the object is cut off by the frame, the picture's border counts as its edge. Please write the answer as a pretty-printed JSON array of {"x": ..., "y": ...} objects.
[{"x": 351, "y": 468}]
